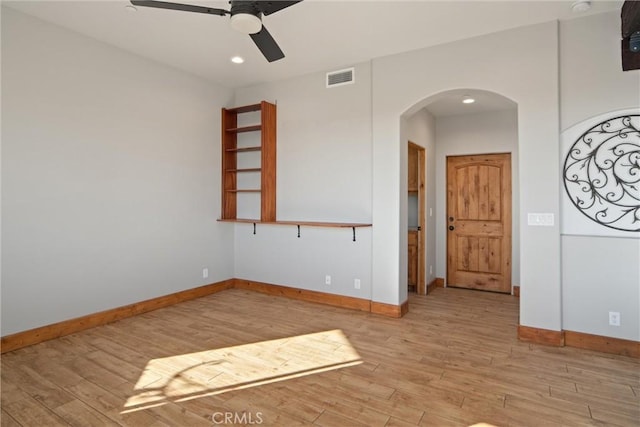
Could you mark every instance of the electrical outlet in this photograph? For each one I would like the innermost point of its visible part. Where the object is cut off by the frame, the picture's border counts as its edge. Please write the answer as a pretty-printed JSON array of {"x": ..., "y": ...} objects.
[
  {"x": 327, "y": 280},
  {"x": 614, "y": 318},
  {"x": 205, "y": 273},
  {"x": 356, "y": 283}
]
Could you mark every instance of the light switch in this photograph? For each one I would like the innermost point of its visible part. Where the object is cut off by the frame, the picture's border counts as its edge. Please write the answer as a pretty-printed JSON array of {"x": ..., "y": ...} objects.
[{"x": 542, "y": 219}]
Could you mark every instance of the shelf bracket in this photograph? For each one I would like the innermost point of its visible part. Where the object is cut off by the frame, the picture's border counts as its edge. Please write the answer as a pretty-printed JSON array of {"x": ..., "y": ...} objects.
[
  {"x": 254, "y": 228},
  {"x": 354, "y": 233},
  {"x": 298, "y": 231}
]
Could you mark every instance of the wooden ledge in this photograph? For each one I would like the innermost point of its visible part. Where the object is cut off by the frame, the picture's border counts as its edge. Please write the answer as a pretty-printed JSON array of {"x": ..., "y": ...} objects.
[
  {"x": 306, "y": 223},
  {"x": 245, "y": 108}
]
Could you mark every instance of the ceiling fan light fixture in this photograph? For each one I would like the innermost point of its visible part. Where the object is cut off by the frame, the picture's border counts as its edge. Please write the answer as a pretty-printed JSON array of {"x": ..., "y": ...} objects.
[
  {"x": 468, "y": 100},
  {"x": 246, "y": 23}
]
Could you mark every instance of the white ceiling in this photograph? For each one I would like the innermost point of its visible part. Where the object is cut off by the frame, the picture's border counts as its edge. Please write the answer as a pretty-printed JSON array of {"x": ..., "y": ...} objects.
[
  {"x": 315, "y": 35},
  {"x": 450, "y": 103}
]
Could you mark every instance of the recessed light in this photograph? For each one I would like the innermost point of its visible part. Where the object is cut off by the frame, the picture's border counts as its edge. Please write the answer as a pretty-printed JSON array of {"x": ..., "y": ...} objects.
[
  {"x": 468, "y": 100},
  {"x": 131, "y": 8},
  {"x": 581, "y": 6},
  {"x": 237, "y": 60}
]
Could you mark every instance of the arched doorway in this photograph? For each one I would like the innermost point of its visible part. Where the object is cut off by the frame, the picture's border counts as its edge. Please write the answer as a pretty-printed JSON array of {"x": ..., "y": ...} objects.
[{"x": 445, "y": 127}]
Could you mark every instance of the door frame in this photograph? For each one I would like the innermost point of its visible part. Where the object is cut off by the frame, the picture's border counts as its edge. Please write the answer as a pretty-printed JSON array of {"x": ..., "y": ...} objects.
[{"x": 421, "y": 288}]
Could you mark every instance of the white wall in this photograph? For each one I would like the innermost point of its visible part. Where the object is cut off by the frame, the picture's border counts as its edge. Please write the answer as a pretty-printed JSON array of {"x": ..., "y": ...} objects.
[
  {"x": 497, "y": 63},
  {"x": 323, "y": 174},
  {"x": 599, "y": 274},
  {"x": 110, "y": 177},
  {"x": 490, "y": 132},
  {"x": 110, "y": 173},
  {"x": 324, "y": 146},
  {"x": 591, "y": 78},
  {"x": 276, "y": 255}
]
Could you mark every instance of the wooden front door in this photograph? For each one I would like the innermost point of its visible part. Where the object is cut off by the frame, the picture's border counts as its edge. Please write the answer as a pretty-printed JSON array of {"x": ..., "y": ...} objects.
[{"x": 479, "y": 222}]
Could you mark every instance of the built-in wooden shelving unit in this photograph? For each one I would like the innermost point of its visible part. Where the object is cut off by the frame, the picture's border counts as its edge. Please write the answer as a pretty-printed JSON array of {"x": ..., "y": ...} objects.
[
  {"x": 231, "y": 151},
  {"x": 267, "y": 169}
]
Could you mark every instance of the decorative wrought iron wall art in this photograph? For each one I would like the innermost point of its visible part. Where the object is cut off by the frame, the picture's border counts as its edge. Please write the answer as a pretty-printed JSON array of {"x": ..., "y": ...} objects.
[{"x": 602, "y": 173}]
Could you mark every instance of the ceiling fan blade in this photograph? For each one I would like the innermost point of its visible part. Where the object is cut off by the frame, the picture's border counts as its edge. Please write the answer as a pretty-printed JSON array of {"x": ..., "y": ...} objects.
[
  {"x": 630, "y": 17},
  {"x": 179, "y": 6},
  {"x": 267, "y": 45},
  {"x": 269, "y": 7}
]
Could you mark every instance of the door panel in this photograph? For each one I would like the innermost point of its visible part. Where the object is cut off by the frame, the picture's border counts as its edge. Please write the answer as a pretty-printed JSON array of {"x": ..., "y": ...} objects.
[
  {"x": 416, "y": 184},
  {"x": 479, "y": 222},
  {"x": 413, "y": 259}
]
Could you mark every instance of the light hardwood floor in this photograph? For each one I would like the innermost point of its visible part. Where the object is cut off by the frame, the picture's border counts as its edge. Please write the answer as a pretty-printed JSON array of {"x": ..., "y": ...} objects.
[{"x": 453, "y": 360}]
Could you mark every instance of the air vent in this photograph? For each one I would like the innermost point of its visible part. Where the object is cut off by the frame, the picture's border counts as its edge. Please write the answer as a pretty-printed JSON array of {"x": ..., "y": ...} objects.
[{"x": 341, "y": 77}]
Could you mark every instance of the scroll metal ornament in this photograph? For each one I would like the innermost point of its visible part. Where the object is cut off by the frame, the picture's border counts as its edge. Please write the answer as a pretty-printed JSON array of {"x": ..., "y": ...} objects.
[{"x": 602, "y": 173}]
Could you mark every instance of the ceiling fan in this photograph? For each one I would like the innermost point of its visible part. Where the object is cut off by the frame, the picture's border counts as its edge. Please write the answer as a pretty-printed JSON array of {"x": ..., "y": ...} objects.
[{"x": 246, "y": 17}]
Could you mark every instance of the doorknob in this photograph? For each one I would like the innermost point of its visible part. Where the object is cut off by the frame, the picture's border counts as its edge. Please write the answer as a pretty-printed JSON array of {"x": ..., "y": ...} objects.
[{"x": 451, "y": 227}]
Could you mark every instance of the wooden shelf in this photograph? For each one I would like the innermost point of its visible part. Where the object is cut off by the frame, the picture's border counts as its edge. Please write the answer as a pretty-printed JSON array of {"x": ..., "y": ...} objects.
[
  {"x": 245, "y": 109},
  {"x": 301, "y": 223},
  {"x": 245, "y": 129},
  {"x": 243, "y": 191},
  {"x": 351, "y": 225},
  {"x": 242, "y": 150},
  {"x": 244, "y": 170}
]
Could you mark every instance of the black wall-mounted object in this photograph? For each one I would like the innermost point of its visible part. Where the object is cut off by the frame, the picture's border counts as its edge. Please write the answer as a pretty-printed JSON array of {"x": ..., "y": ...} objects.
[
  {"x": 601, "y": 175},
  {"x": 630, "y": 32}
]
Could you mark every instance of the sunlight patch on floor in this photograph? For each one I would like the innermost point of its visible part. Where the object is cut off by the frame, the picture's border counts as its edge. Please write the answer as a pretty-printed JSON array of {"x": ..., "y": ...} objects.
[{"x": 194, "y": 375}]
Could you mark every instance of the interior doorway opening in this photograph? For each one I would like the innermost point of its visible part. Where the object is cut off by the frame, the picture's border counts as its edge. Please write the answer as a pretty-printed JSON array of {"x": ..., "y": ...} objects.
[{"x": 444, "y": 126}]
